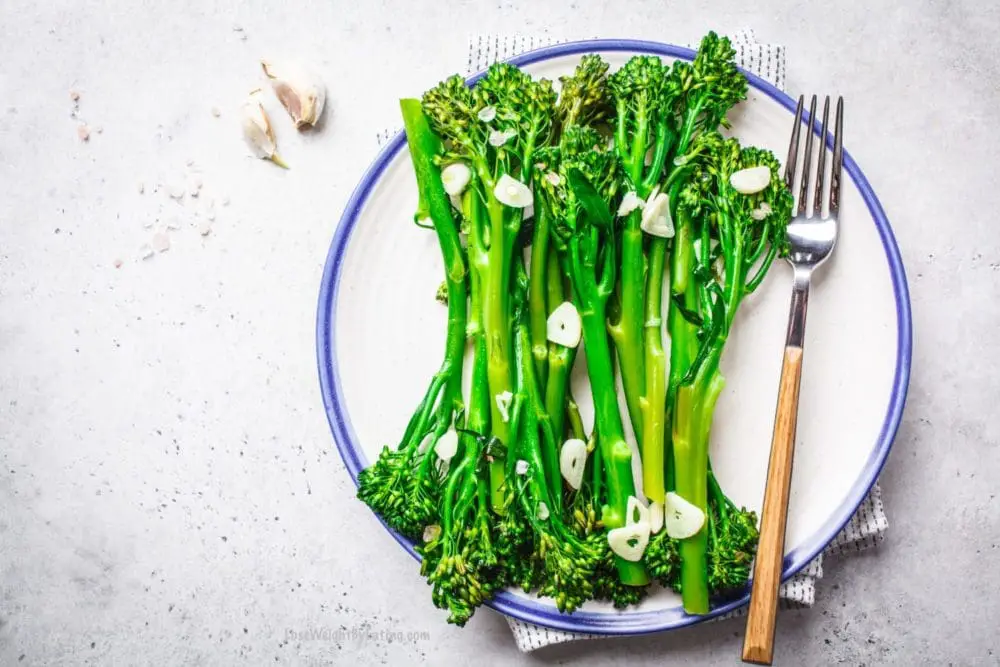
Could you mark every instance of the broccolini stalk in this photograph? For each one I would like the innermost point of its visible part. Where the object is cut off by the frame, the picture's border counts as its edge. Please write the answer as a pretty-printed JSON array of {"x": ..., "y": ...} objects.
[
  {"x": 569, "y": 561},
  {"x": 748, "y": 230},
  {"x": 641, "y": 126},
  {"x": 403, "y": 484},
  {"x": 694, "y": 98},
  {"x": 496, "y": 129},
  {"x": 583, "y": 100},
  {"x": 580, "y": 201}
]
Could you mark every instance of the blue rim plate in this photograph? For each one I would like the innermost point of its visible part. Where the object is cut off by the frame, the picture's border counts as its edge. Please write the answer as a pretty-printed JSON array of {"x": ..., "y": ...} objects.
[{"x": 628, "y": 622}]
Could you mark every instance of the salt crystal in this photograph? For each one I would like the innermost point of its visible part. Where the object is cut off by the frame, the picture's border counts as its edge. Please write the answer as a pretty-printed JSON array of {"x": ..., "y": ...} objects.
[
  {"x": 204, "y": 227},
  {"x": 141, "y": 187},
  {"x": 118, "y": 264},
  {"x": 83, "y": 132},
  {"x": 216, "y": 112},
  {"x": 173, "y": 224},
  {"x": 175, "y": 192},
  {"x": 145, "y": 251},
  {"x": 225, "y": 201},
  {"x": 99, "y": 129},
  {"x": 161, "y": 242},
  {"x": 74, "y": 95}
]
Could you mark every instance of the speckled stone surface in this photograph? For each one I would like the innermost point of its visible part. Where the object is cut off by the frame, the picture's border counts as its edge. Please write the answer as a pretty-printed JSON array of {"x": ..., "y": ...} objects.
[{"x": 169, "y": 493}]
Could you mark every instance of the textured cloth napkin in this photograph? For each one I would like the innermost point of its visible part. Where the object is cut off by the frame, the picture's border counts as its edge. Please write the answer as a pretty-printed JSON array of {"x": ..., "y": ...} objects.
[{"x": 869, "y": 523}]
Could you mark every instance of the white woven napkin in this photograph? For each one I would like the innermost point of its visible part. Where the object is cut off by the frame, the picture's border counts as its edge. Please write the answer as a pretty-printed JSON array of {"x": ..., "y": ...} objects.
[{"x": 868, "y": 525}]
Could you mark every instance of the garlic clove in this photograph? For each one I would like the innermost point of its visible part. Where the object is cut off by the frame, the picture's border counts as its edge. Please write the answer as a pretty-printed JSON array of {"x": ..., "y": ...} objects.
[
  {"x": 656, "y": 220},
  {"x": 564, "y": 326},
  {"x": 682, "y": 518},
  {"x": 299, "y": 90},
  {"x": 573, "y": 461},
  {"x": 258, "y": 134},
  {"x": 636, "y": 511},
  {"x": 521, "y": 467},
  {"x": 512, "y": 192},
  {"x": 750, "y": 181},
  {"x": 503, "y": 404},
  {"x": 447, "y": 445},
  {"x": 655, "y": 517},
  {"x": 432, "y": 532},
  {"x": 500, "y": 137},
  {"x": 629, "y": 541},
  {"x": 630, "y": 202},
  {"x": 486, "y": 114},
  {"x": 455, "y": 177}
]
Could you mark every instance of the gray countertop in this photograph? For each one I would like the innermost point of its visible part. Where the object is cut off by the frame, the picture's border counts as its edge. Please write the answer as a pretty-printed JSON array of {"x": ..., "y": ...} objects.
[{"x": 169, "y": 491}]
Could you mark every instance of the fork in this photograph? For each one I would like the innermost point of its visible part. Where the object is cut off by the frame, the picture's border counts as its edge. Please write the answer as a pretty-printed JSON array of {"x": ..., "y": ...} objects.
[{"x": 812, "y": 234}]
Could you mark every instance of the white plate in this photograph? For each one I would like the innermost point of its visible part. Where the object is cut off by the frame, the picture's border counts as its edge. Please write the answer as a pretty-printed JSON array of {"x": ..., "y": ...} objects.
[{"x": 380, "y": 337}]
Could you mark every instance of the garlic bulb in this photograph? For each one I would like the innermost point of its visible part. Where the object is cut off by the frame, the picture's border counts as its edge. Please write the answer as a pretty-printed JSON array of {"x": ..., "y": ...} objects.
[
  {"x": 257, "y": 132},
  {"x": 299, "y": 91}
]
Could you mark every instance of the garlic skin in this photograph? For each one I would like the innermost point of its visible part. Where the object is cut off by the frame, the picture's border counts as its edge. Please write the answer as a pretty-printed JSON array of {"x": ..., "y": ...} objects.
[
  {"x": 257, "y": 132},
  {"x": 299, "y": 90}
]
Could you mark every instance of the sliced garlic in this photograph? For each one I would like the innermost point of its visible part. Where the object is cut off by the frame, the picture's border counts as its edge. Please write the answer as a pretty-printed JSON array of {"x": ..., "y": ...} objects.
[
  {"x": 486, "y": 114},
  {"x": 447, "y": 445},
  {"x": 682, "y": 518},
  {"x": 512, "y": 192},
  {"x": 500, "y": 137},
  {"x": 636, "y": 512},
  {"x": 572, "y": 461},
  {"x": 648, "y": 160},
  {"x": 564, "y": 326},
  {"x": 432, "y": 532},
  {"x": 655, "y": 517},
  {"x": 553, "y": 178},
  {"x": 630, "y": 202},
  {"x": 258, "y": 134},
  {"x": 761, "y": 211},
  {"x": 629, "y": 542},
  {"x": 455, "y": 177},
  {"x": 543, "y": 511},
  {"x": 503, "y": 405},
  {"x": 521, "y": 467},
  {"x": 656, "y": 220},
  {"x": 425, "y": 443},
  {"x": 299, "y": 90},
  {"x": 751, "y": 180}
]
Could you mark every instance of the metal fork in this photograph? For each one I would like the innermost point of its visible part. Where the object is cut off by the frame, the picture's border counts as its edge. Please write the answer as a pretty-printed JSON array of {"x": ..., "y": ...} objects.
[{"x": 812, "y": 234}]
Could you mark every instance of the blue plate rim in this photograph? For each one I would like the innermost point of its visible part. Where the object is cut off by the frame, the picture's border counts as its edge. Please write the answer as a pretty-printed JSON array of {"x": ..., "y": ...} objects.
[{"x": 626, "y": 622}]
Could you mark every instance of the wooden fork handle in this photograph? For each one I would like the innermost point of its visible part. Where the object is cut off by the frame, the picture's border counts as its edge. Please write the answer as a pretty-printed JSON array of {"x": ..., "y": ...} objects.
[{"x": 758, "y": 643}]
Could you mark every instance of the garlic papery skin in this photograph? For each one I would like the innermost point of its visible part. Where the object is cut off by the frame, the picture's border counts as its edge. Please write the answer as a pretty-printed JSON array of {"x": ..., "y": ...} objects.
[
  {"x": 257, "y": 132},
  {"x": 299, "y": 90}
]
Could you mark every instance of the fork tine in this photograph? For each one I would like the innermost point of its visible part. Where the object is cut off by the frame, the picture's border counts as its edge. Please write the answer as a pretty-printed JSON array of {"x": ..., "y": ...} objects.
[
  {"x": 838, "y": 158},
  {"x": 793, "y": 145},
  {"x": 821, "y": 163},
  {"x": 807, "y": 159}
]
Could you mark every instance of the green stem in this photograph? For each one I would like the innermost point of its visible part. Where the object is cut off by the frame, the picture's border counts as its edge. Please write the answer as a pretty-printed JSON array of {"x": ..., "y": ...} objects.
[
  {"x": 607, "y": 420},
  {"x": 627, "y": 332},
  {"x": 496, "y": 321},
  {"x": 537, "y": 288},
  {"x": 654, "y": 401}
]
